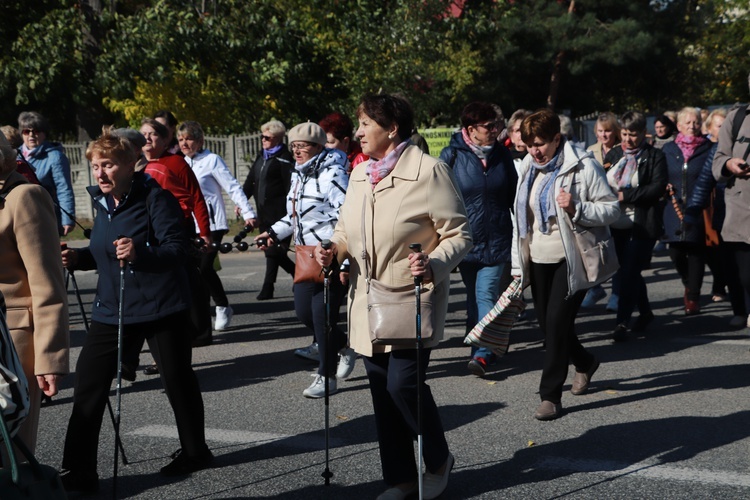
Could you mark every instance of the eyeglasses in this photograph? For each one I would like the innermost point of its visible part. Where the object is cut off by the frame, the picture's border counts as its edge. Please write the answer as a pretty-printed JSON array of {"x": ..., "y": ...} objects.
[
  {"x": 488, "y": 126},
  {"x": 301, "y": 146},
  {"x": 266, "y": 138},
  {"x": 28, "y": 131}
]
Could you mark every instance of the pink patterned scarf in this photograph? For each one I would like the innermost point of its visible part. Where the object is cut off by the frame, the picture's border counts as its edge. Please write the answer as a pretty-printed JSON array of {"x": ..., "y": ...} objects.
[
  {"x": 379, "y": 169},
  {"x": 689, "y": 143}
]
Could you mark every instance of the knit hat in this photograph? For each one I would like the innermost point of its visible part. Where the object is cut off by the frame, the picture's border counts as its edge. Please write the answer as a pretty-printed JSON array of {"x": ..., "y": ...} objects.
[
  {"x": 308, "y": 132},
  {"x": 135, "y": 137}
]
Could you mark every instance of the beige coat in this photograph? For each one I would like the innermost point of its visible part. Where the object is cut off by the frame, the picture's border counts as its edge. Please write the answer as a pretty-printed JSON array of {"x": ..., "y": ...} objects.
[
  {"x": 417, "y": 203},
  {"x": 31, "y": 279}
]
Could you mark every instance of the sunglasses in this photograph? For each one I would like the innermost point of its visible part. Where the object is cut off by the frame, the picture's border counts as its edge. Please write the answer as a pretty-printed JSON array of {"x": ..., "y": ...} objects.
[
  {"x": 28, "y": 131},
  {"x": 488, "y": 126},
  {"x": 266, "y": 138}
]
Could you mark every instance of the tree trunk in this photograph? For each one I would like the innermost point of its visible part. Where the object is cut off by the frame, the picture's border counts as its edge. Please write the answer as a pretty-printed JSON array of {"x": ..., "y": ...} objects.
[{"x": 554, "y": 80}]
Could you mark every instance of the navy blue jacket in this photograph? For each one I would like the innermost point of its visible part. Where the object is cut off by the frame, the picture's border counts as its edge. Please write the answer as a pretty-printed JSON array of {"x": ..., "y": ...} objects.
[
  {"x": 156, "y": 284},
  {"x": 488, "y": 195},
  {"x": 684, "y": 181},
  {"x": 701, "y": 198}
]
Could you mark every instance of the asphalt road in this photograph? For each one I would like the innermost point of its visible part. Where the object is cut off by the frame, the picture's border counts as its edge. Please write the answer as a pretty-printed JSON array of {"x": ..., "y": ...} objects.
[{"x": 667, "y": 416}]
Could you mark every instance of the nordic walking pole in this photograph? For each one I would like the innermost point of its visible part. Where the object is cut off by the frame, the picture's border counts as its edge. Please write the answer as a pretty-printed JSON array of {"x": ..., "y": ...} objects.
[
  {"x": 326, "y": 244},
  {"x": 417, "y": 248},
  {"x": 64, "y": 246},
  {"x": 118, "y": 395}
]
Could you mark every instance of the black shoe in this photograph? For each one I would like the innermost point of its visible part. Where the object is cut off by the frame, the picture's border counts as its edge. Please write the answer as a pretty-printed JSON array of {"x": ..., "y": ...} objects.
[
  {"x": 202, "y": 341},
  {"x": 151, "y": 370},
  {"x": 82, "y": 483},
  {"x": 183, "y": 464},
  {"x": 266, "y": 293},
  {"x": 620, "y": 333},
  {"x": 642, "y": 322},
  {"x": 128, "y": 372}
]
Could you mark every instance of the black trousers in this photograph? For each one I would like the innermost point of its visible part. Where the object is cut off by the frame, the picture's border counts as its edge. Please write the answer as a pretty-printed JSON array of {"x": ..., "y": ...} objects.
[
  {"x": 278, "y": 256},
  {"x": 393, "y": 386},
  {"x": 741, "y": 253},
  {"x": 690, "y": 261},
  {"x": 310, "y": 309},
  {"x": 208, "y": 274},
  {"x": 97, "y": 366},
  {"x": 556, "y": 316}
]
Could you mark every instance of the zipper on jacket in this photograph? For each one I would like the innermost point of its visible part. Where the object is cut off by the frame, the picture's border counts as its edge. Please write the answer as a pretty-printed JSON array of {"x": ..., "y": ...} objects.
[{"x": 683, "y": 195}]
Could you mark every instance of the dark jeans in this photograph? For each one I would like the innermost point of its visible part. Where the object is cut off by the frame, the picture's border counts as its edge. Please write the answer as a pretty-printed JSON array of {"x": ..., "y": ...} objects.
[
  {"x": 97, "y": 366},
  {"x": 310, "y": 309},
  {"x": 556, "y": 316},
  {"x": 634, "y": 256},
  {"x": 208, "y": 274},
  {"x": 393, "y": 385},
  {"x": 690, "y": 261},
  {"x": 725, "y": 272}
]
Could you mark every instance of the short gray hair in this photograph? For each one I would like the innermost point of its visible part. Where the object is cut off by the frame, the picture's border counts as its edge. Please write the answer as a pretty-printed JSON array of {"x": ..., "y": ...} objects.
[
  {"x": 633, "y": 121},
  {"x": 274, "y": 127},
  {"x": 33, "y": 120},
  {"x": 192, "y": 129}
]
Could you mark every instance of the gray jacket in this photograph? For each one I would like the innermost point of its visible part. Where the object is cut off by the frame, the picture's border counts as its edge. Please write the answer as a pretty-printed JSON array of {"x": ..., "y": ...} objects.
[
  {"x": 596, "y": 205},
  {"x": 737, "y": 193}
]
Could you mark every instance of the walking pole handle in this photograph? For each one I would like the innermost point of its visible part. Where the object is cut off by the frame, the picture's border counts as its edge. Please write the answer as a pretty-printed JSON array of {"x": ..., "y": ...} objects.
[{"x": 417, "y": 248}]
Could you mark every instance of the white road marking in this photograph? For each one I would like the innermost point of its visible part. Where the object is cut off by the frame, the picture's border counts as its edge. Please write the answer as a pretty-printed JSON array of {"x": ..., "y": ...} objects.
[
  {"x": 649, "y": 470},
  {"x": 250, "y": 438}
]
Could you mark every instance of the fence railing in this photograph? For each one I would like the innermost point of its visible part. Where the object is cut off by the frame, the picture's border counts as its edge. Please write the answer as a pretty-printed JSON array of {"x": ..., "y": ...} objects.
[{"x": 238, "y": 151}]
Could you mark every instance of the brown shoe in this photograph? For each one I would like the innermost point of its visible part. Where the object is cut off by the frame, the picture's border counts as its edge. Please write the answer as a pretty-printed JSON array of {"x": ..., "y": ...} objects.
[
  {"x": 582, "y": 380},
  {"x": 548, "y": 411}
]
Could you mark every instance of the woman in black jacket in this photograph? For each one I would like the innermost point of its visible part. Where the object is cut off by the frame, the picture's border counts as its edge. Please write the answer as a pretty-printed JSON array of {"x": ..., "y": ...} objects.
[
  {"x": 138, "y": 225},
  {"x": 639, "y": 176},
  {"x": 268, "y": 182}
]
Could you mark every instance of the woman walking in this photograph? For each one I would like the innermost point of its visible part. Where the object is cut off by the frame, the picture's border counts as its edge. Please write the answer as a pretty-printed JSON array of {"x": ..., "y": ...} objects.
[{"x": 408, "y": 197}]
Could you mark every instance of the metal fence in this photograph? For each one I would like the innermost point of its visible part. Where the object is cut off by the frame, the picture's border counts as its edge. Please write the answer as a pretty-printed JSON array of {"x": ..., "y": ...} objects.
[{"x": 238, "y": 151}]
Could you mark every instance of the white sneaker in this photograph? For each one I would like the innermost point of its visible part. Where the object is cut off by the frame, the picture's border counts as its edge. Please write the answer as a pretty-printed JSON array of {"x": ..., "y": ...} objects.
[
  {"x": 347, "y": 358},
  {"x": 223, "y": 318},
  {"x": 318, "y": 390},
  {"x": 310, "y": 352}
]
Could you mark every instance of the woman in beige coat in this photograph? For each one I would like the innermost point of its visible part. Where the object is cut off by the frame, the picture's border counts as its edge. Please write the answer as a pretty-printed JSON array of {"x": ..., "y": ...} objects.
[
  {"x": 31, "y": 279},
  {"x": 408, "y": 197}
]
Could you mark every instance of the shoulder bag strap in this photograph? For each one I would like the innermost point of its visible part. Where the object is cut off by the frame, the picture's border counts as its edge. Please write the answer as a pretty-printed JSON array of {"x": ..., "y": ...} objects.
[{"x": 365, "y": 257}]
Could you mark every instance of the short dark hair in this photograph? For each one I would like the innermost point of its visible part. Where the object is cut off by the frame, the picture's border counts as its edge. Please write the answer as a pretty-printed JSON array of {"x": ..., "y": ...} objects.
[
  {"x": 633, "y": 121},
  {"x": 544, "y": 124},
  {"x": 387, "y": 109},
  {"x": 477, "y": 112},
  {"x": 168, "y": 116},
  {"x": 337, "y": 124},
  {"x": 667, "y": 122},
  {"x": 158, "y": 127}
]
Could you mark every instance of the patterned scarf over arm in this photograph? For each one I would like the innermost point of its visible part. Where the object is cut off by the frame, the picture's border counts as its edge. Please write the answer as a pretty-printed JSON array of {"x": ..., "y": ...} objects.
[{"x": 543, "y": 205}]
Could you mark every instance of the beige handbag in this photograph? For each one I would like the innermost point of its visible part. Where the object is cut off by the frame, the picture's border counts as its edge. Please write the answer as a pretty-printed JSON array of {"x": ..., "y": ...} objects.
[{"x": 391, "y": 311}]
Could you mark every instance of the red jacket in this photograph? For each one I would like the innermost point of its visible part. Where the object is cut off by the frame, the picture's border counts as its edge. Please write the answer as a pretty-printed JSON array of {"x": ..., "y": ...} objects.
[{"x": 174, "y": 174}]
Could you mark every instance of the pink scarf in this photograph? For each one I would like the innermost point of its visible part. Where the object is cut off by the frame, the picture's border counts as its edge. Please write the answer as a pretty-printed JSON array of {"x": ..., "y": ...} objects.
[
  {"x": 480, "y": 151},
  {"x": 379, "y": 169},
  {"x": 688, "y": 144}
]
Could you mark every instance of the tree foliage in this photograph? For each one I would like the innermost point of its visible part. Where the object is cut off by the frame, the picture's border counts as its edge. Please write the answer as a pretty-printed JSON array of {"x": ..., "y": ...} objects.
[{"x": 232, "y": 64}]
